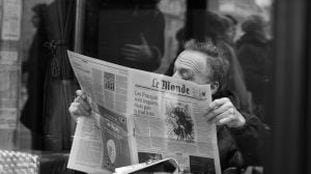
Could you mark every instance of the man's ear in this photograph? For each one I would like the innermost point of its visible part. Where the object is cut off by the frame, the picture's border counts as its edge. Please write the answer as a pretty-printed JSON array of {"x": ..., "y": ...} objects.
[{"x": 214, "y": 87}]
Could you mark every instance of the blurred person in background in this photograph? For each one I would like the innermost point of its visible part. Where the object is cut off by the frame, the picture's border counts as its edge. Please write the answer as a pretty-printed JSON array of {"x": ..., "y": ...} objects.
[
  {"x": 219, "y": 30},
  {"x": 230, "y": 32},
  {"x": 125, "y": 32},
  {"x": 253, "y": 51}
]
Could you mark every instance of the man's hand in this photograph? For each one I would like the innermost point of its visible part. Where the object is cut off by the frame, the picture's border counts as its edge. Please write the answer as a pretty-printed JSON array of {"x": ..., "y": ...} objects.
[
  {"x": 80, "y": 106},
  {"x": 223, "y": 112},
  {"x": 138, "y": 53}
]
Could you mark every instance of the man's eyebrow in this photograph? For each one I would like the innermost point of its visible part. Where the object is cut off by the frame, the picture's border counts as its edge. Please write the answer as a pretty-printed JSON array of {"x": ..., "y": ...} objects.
[{"x": 190, "y": 63}]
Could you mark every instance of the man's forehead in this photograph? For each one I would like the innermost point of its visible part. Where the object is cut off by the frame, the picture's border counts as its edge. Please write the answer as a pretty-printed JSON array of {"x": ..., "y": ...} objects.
[{"x": 192, "y": 59}]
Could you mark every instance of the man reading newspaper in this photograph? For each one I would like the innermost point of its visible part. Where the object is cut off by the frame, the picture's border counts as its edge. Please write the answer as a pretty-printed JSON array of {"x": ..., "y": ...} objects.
[{"x": 237, "y": 131}]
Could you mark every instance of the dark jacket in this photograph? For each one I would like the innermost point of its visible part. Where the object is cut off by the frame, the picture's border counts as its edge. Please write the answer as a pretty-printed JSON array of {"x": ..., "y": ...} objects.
[
  {"x": 253, "y": 53},
  {"x": 113, "y": 24},
  {"x": 236, "y": 82},
  {"x": 239, "y": 147}
]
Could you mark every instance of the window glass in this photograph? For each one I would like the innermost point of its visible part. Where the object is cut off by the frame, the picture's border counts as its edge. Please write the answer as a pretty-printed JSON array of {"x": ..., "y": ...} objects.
[
  {"x": 142, "y": 34},
  {"x": 134, "y": 33}
]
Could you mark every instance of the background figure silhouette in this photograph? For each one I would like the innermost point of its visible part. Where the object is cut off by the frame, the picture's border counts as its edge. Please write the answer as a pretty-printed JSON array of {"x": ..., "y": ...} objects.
[
  {"x": 125, "y": 32},
  {"x": 253, "y": 50},
  {"x": 217, "y": 29}
]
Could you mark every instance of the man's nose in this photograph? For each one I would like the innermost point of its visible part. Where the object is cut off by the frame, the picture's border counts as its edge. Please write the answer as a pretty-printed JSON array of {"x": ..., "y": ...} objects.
[{"x": 176, "y": 75}]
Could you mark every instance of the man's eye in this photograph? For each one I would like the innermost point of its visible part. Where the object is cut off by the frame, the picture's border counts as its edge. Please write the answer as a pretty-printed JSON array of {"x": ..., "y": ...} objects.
[{"x": 186, "y": 75}]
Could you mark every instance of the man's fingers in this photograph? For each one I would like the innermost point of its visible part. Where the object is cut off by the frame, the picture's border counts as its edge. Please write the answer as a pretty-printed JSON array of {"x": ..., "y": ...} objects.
[
  {"x": 224, "y": 121},
  {"x": 129, "y": 50},
  {"x": 129, "y": 54},
  {"x": 74, "y": 111},
  {"x": 79, "y": 109},
  {"x": 216, "y": 118},
  {"x": 131, "y": 47},
  {"x": 85, "y": 105},
  {"x": 79, "y": 92},
  {"x": 143, "y": 39},
  {"x": 218, "y": 102},
  {"x": 221, "y": 109},
  {"x": 80, "y": 106},
  {"x": 223, "y": 112},
  {"x": 77, "y": 99},
  {"x": 218, "y": 106}
]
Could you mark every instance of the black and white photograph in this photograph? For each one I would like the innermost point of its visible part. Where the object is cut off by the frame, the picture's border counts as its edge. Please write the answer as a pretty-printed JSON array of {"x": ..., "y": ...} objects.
[{"x": 66, "y": 62}]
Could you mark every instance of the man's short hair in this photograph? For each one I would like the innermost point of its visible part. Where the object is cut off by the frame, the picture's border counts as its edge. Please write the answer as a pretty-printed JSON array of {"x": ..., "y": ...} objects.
[{"x": 219, "y": 65}]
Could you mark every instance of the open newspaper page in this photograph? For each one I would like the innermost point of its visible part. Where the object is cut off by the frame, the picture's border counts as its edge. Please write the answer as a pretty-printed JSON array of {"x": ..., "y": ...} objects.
[
  {"x": 169, "y": 122},
  {"x": 138, "y": 116},
  {"x": 101, "y": 141}
]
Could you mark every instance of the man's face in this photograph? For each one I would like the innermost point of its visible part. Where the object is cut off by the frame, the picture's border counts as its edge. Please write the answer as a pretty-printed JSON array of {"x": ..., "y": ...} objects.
[{"x": 192, "y": 66}]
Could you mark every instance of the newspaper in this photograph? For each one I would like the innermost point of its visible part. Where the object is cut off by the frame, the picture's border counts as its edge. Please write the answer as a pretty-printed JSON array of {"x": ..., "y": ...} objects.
[
  {"x": 138, "y": 116},
  {"x": 167, "y": 165}
]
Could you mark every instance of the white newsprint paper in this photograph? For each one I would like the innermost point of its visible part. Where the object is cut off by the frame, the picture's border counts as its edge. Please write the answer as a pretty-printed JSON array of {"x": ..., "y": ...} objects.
[
  {"x": 168, "y": 165},
  {"x": 139, "y": 116}
]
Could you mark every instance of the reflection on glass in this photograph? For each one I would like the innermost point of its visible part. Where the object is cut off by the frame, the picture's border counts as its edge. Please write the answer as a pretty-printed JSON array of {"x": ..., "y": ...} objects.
[{"x": 133, "y": 33}]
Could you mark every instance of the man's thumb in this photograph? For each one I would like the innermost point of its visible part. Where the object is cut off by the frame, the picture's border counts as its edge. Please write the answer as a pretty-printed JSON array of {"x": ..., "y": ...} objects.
[{"x": 143, "y": 39}]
